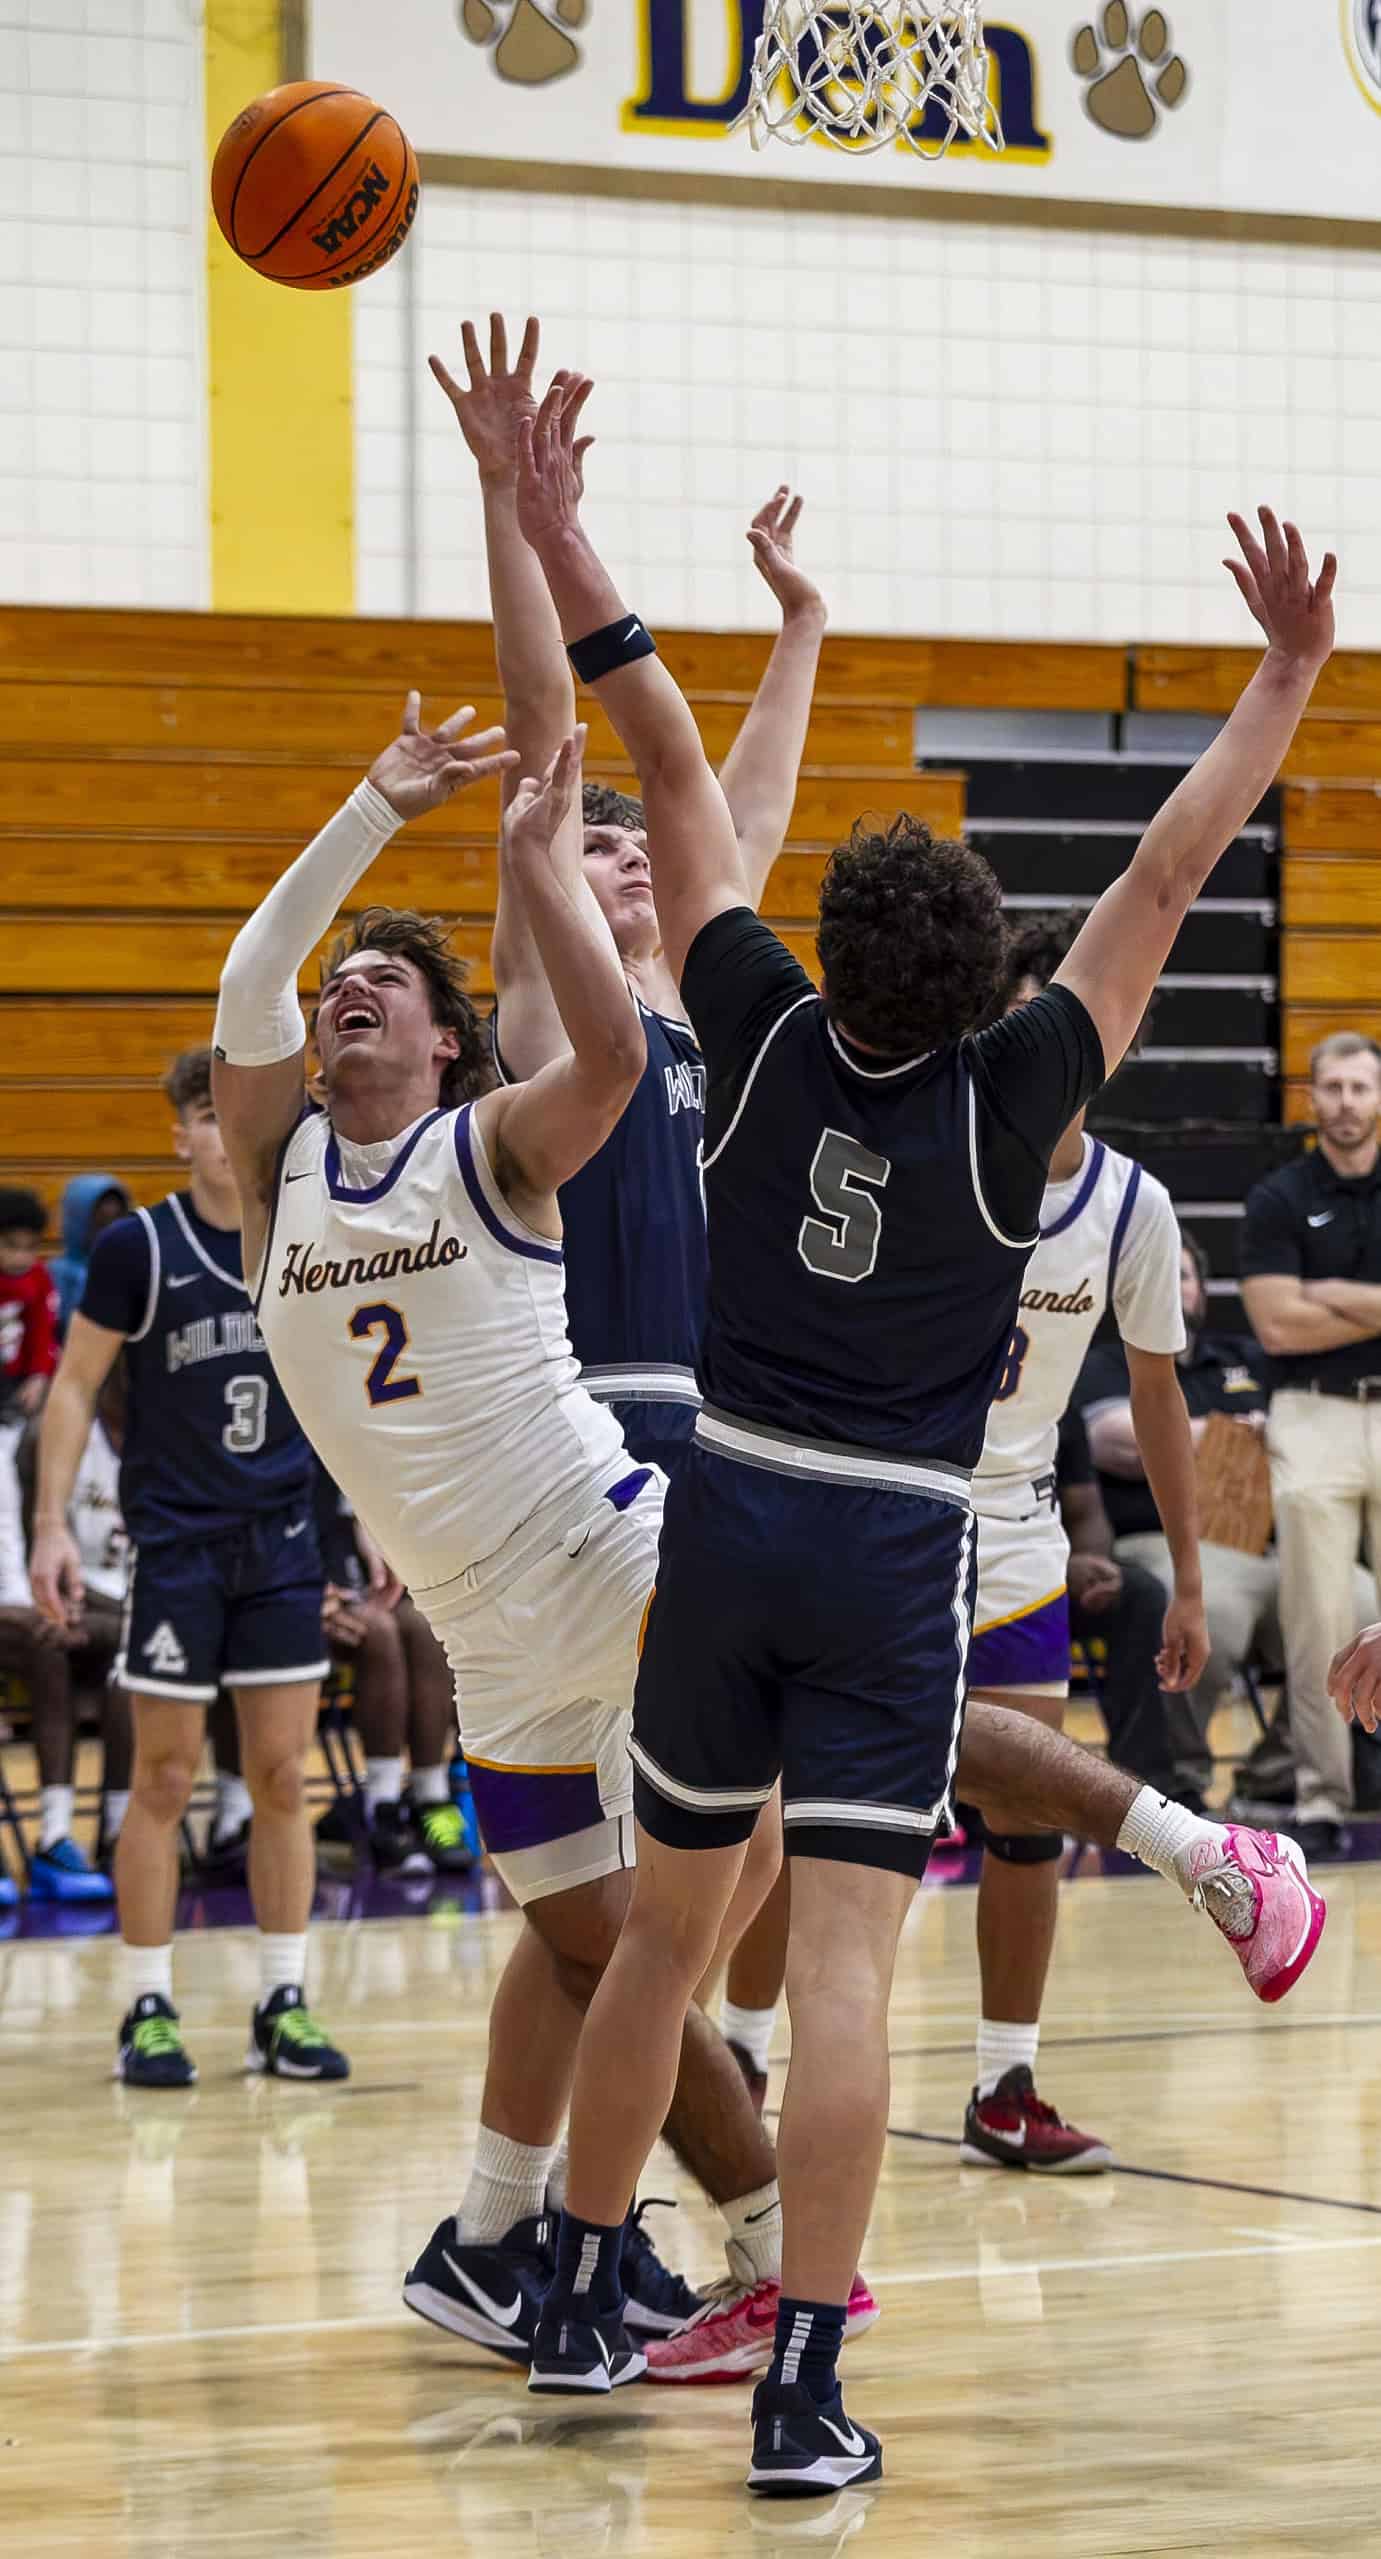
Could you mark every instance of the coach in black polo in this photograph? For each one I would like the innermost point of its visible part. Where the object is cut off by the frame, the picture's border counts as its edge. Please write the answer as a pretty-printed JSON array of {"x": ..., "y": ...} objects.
[{"x": 1311, "y": 1265}]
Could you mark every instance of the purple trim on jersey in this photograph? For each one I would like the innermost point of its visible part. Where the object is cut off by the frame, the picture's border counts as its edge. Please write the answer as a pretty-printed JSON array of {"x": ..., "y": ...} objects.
[
  {"x": 1083, "y": 1195},
  {"x": 527, "y": 1807},
  {"x": 1120, "y": 1230},
  {"x": 376, "y": 1191},
  {"x": 1026, "y": 1651},
  {"x": 465, "y": 1158}
]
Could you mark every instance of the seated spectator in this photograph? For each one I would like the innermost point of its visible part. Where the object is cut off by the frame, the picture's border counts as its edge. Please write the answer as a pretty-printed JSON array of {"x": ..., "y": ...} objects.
[
  {"x": 28, "y": 1357},
  {"x": 90, "y": 1203},
  {"x": 1116, "y": 1610},
  {"x": 1220, "y": 1373},
  {"x": 60, "y": 1666}
]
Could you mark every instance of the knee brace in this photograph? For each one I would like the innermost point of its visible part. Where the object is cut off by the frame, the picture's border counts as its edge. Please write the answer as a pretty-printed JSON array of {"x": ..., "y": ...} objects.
[{"x": 1025, "y": 1848}]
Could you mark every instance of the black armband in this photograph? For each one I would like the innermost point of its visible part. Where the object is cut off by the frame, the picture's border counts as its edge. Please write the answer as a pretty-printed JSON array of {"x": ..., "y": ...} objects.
[{"x": 618, "y": 644}]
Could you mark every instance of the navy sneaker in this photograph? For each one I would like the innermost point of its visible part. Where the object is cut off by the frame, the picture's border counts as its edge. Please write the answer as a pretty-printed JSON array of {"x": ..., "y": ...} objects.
[
  {"x": 802, "y": 2448},
  {"x": 441, "y": 1831},
  {"x": 581, "y": 2349},
  {"x": 151, "y": 2051},
  {"x": 490, "y": 2291},
  {"x": 62, "y": 1873},
  {"x": 395, "y": 1843},
  {"x": 656, "y": 2302},
  {"x": 286, "y": 2042}
]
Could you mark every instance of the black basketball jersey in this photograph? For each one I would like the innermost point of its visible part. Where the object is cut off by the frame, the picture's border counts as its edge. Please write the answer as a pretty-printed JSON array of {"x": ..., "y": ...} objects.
[
  {"x": 869, "y": 1223},
  {"x": 634, "y": 1230},
  {"x": 210, "y": 1440}
]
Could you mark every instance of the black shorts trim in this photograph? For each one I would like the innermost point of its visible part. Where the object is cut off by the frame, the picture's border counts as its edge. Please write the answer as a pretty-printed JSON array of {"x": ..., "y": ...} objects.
[
  {"x": 677, "y": 1827},
  {"x": 891, "y": 1852}
]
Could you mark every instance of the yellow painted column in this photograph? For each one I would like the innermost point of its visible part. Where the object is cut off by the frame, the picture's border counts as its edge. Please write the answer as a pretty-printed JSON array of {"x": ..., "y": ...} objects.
[{"x": 280, "y": 384}]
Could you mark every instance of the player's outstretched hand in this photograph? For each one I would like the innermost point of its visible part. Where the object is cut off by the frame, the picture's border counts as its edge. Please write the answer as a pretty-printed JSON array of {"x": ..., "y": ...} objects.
[
  {"x": 770, "y": 539},
  {"x": 55, "y": 1576},
  {"x": 426, "y": 767},
  {"x": 533, "y": 817},
  {"x": 1294, "y": 610},
  {"x": 1354, "y": 1679},
  {"x": 498, "y": 397},
  {"x": 551, "y": 459}
]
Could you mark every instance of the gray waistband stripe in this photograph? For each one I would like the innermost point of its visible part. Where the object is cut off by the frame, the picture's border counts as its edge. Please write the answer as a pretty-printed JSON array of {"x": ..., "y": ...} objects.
[
  {"x": 697, "y": 1799},
  {"x": 641, "y": 1382},
  {"x": 779, "y": 1454},
  {"x": 824, "y": 1811}
]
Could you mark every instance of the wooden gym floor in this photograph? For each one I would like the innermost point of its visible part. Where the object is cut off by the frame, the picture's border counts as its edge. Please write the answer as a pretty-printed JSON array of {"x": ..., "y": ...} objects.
[{"x": 202, "y": 2348}]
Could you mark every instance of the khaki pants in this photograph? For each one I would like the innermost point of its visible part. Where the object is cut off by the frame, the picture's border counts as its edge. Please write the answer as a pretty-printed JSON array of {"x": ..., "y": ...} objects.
[
  {"x": 1326, "y": 1482},
  {"x": 1241, "y": 1594}
]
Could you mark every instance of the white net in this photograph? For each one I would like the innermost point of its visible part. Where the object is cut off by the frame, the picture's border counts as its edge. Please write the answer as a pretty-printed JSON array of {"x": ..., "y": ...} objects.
[{"x": 864, "y": 74}]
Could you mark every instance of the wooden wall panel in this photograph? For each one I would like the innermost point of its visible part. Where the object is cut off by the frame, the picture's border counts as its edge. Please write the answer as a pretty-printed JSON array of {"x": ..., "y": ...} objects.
[
  {"x": 136, "y": 954},
  {"x": 145, "y": 1182},
  {"x": 1343, "y": 817},
  {"x": 1342, "y": 889},
  {"x": 1209, "y": 680},
  {"x": 82, "y": 1123},
  {"x": 1322, "y": 968},
  {"x": 1306, "y": 1024},
  {"x": 97, "y": 1039}
]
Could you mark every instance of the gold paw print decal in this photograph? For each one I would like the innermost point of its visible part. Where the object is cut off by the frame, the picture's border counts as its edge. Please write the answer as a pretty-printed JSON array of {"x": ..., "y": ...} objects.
[
  {"x": 1132, "y": 72},
  {"x": 529, "y": 46}
]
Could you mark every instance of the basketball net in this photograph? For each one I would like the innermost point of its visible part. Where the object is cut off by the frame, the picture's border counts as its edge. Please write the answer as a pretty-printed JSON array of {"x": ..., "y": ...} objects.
[{"x": 862, "y": 74}]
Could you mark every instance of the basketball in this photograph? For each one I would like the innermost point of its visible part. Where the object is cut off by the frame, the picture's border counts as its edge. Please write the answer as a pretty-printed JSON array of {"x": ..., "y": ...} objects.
[{"x": 314, "y": 185}]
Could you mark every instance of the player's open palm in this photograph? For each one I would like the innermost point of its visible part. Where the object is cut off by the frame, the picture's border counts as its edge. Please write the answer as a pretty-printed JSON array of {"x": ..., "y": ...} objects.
[
  {"x": 1294, "y": 610},
  {"x": 426, "y": 767},
  {"x": 771, "y": 540},
  {"x": 495, "y": 399},
  {"x": 538, "y": 809},
  {"x": 551, "y": 467},
  {"x": 55, "y": 1576}
]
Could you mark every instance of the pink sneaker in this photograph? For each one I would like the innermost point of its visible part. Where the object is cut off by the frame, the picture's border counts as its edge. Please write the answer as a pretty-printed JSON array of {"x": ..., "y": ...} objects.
[
  {"x": 733, "y": 2335},
  {"x": 730, "y": 2338},
  {"x": 1284, "y": 1915}
]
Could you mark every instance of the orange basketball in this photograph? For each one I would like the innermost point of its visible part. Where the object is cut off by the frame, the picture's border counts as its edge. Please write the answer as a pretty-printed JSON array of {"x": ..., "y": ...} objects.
[{"x": 314, "y": 185}]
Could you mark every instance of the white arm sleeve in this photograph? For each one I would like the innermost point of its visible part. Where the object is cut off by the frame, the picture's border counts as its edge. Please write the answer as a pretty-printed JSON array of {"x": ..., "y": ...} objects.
[
  {"x": 1146, "y": 1284},
  {"x": 259, "y": 1019}
]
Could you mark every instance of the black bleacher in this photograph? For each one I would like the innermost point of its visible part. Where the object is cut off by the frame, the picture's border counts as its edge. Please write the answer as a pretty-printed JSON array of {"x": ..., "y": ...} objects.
[{"x": 1200, "y": 1104}]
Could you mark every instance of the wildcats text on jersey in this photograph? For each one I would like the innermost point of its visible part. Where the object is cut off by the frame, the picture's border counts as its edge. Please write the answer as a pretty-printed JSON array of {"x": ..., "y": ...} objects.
[
  {"x": 685, "y": 1087},
  {"x": 211, "y": 1337},
  {"x": 302, "y": 1276}
]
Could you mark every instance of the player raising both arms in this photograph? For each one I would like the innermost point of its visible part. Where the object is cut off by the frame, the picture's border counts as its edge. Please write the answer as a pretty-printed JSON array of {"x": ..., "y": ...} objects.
[{"x": 873, "y": 1178}]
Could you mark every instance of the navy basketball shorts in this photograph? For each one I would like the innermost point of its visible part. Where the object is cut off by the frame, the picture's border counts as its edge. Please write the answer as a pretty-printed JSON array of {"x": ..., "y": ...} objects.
[
  {"x": 240, "y": 1609},
  {"x": 656, "y": 1434},
  {"x": 813, "y": 1630}
]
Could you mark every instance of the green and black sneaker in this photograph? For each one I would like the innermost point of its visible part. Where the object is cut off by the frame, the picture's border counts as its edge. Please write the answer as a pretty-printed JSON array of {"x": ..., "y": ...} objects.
[
  {"x": 285, "y": 2041},
  {"x": 441, "y": 1830},
  {"x": 152, "y": 2053}
]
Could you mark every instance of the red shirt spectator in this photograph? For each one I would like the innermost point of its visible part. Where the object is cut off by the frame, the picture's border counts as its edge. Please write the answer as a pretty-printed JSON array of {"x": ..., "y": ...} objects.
[{"x": 28, "y": 1305}]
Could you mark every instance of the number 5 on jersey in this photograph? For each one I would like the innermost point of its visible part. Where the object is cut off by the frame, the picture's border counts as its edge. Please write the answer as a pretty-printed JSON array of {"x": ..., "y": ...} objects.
[
  {"x": 381, "y": 1385},
  {"x": 842, "y": 1244}
]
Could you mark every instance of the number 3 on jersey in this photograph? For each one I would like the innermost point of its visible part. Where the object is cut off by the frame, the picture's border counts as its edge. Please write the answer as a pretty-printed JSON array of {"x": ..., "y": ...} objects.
[
  {"x": 1010, "y": 1379},
  {"x": 842, "y": 1244},
  {"x": 381, "y": 1386}
]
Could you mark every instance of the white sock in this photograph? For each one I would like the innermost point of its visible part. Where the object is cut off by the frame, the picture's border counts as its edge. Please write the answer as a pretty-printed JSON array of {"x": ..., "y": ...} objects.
[
  {"x": 558, "y": 2170},
  {"x": 383, "y": 1783},
  {"x": 430, "y": 1785},
  {"x": 114, "y": 1807},
  {"x": 282, "y": 1963},
  {"x": 750, "y": 2027},
  {"x": 508, "y": 2183},
  {"x": 754, "y": 2244},
  {"x": 233, "y": 1806},
  {"x": 148, "y": 1968},
  {"x": 1169, "y": 1839},
  {"x": 1003, "y": 2048},
  {"x": 55, "y": 1814}
]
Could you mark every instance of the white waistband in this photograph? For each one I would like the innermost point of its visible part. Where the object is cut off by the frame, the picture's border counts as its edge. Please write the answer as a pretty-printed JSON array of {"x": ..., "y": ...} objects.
[
  {"x": 641, "y": 1384},
  {"x": 753, "y": 1445}
]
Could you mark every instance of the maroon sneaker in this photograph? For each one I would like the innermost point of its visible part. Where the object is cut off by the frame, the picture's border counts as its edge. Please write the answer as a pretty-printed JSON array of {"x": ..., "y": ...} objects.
[{"x": 1013, "y": 2128}]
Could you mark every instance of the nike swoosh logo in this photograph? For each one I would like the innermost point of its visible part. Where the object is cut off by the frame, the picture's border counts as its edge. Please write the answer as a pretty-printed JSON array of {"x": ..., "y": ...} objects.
[
  {"x": 1014, "y": 2140},
  {"x": 750, "y": 2217},
  {"x": 297, "y": 1531},
  {"x": 606, "y": 2357},
  {"x": 851, "y": 2441},
  {"x": 300, "y": 1177},
  {"x": 182, "y": 1279},
  {"x": 1326, "y": 1219},
  {"x": 492, "y": 2310}
]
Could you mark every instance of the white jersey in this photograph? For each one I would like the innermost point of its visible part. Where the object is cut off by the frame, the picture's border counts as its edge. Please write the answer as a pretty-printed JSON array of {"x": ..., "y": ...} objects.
[
  {"x": 418, "y": 1329},
  {"x": 94, "y": 1516},
  {"x": 1108, "y": 1236}
]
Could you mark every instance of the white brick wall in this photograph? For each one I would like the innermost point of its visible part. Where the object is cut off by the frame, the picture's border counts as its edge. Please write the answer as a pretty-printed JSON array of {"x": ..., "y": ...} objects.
[
  {"x": 1009, "y": 432},
  {"x": 102, "y": 327}
]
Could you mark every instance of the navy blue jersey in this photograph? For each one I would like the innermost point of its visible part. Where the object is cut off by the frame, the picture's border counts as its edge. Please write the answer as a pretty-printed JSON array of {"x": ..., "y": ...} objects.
[
  {"x": 868, "y": 1224},
  {"x": 210, "y": 1440},
  {"x": 634, "y": 1230}
]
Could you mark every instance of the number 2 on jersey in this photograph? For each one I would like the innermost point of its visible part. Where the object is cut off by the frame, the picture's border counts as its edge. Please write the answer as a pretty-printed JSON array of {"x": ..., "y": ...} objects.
[
  {"x": 843, "y": 1243},
  {"x": 381, "y": 1386}
]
